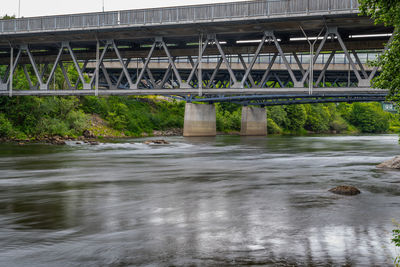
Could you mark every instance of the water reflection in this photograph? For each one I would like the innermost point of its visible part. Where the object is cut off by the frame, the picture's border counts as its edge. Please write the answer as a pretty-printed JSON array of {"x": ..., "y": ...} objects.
[{"x": 205, "y": 201}]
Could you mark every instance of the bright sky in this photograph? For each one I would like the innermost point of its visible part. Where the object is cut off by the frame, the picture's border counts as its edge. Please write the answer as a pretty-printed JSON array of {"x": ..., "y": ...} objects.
[{"x": 30, "y": 8}]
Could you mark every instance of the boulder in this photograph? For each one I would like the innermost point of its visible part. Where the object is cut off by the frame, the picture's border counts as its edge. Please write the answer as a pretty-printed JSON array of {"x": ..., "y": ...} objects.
[
  {"x": 88, "y": 134},
  {"x": 391, "y": 163},
  {"x": 156, "y": 142},
  {"x": 58, "y": 142},
  {"x": 345, "y": 190}
]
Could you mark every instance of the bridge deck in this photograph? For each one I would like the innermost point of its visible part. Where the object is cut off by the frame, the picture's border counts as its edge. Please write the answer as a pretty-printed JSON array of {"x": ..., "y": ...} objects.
[{"x": 223, "y": 12}]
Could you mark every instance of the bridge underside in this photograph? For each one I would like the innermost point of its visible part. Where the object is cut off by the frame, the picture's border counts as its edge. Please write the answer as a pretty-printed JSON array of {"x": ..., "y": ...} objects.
[{"x": 149, "y": 61}]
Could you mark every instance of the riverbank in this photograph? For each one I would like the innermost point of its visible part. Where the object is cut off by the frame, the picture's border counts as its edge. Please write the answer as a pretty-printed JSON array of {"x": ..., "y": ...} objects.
[{"x": 40, "y": 118}]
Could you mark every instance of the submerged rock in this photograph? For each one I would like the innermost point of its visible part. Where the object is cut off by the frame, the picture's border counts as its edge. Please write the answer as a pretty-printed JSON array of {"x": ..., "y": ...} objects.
[
  {"x": 345, "y": 190},
  {"x": 156, "y": 142},
  {"x": 94, "y": 143},
  {"x": 391, "y": 163}
]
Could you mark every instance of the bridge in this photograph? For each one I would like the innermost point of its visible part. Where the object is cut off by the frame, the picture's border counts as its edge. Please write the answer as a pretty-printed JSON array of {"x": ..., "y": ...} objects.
[{"x": 257, "y": 53}]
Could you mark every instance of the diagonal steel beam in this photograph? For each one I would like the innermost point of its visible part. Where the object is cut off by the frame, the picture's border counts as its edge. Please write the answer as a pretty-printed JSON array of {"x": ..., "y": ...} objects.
[
  {"x": 64, "y": 72},
  {"x": 54, "y": 67},
  {"x": 146, "y": 64},
  {"x": 328, "y": 62},
  {"x": 286, "y": 63},
  {"x": 215, "y": 72},
  {"x": 319, "y": 49},
  {"x": 3, "y": 80},
  {"x": 124, "y": 68},
  {"x": 228, "y": 66},
  {"x": 34, "y": 66},
  {"x": 375, "y": 69},
  {"x": 28, "y": 78},
  {"x": 192, "y": 64},
  {"x": 166, "y": 75},
  {"x": 83, "y": 69},
  {"x": 253, "y": 61},
  {"x": 296, "y": 58},
  {"x": 266, "y": 74},
  {"x": 106, "y": 75},
  {"x": 247, "y": 71},
  {"x": 150, "y": 74},
  {"x": 172, "y": 63},
  {"x": 358, "y": 61},
  {"x": 346, "y": 52},
  {"x": 121, "y": 75},
  {"x": 77, "y": 67},
  {"x": 196, "y": 64},
  {"x": 100, "y": 60}
]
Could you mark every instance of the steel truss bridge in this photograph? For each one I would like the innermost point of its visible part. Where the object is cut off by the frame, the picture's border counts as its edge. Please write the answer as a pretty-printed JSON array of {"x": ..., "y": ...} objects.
[{"x": 253, "y": 52}]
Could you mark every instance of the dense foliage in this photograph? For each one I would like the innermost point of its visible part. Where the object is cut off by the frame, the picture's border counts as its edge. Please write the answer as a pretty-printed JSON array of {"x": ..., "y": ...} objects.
[
  {"x": 316, "y": 118},
  {"x": 396, "y": 241},
  {"x": 388, "y": 13},
  {"x": 29, "y": 116}
]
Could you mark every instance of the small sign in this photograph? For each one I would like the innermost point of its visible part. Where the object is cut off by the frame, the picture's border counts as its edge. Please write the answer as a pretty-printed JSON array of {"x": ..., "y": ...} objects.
[{"x": 389, "y": 107}]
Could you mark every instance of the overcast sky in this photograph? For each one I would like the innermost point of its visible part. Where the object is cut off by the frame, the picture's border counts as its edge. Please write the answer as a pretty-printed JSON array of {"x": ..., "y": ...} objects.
[{"x": 30, "y": 8}]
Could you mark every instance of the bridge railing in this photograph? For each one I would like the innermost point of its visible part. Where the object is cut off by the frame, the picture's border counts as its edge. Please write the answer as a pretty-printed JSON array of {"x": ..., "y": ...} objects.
[{"x": 180, "y": 14}]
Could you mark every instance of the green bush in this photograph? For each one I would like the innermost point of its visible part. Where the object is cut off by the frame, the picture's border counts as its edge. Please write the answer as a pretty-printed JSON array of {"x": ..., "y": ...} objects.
[
  {"x": 369, "y": 118},
  {"x": 339, "y": 125},
  {"x": 78, "y": 121},
  {"x": 278, "y": 115},
  {"x": 396, "y": 241},
  {"x": 228, "y": 117},
  {"x": 52, "y": 126},
  {"x": 297, "y": 117},
  {"x": 6, "y": 128},
  {"x": 319, "y": 117},
  {"x": 272, "y": 127}
]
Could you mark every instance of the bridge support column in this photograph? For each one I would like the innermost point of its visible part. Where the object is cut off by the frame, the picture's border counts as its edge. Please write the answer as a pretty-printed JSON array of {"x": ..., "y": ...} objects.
[
  {"x": 200, "y": 120},
  {"x": 254, "y": 121}
]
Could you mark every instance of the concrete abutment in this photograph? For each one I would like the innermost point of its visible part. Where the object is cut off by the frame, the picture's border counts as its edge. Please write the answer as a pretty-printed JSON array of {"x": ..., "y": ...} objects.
[
  {"x": 254, "y": 121},
  {"x": 200, "y": 120}
]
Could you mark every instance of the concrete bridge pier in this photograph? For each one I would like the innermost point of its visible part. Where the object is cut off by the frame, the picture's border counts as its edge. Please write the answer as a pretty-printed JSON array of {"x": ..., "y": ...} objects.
[
  {"x": 200, "y": 120},
  {"x": 254, "y": 121}
]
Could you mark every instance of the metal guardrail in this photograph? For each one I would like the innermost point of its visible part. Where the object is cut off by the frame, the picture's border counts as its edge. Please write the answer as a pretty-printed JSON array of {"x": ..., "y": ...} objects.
[{"x": 176, "y": 15}]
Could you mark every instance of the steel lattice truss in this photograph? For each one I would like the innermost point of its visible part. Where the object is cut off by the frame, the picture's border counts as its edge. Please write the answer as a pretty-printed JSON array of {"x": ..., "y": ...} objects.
[{"x": 222, "y": 80}]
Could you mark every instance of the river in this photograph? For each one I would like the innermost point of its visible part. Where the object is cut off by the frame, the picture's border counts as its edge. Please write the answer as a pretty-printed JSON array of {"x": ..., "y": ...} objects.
[{"x": 227, "y": 200}]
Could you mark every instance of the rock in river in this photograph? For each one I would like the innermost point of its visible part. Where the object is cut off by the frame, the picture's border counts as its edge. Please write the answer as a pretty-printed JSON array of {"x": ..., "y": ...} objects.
[
  {"x": 156, "y": 142},
  {"x": 345, "y": 190},
  {"x": 391, "y": 163}
]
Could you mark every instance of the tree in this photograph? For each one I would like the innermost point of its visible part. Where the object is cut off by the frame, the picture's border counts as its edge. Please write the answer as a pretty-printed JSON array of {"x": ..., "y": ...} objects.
[
  {"x": 369, "y": 118},
  {"x": 297, "y": 117},
  {"x": 388, "y": 13}
]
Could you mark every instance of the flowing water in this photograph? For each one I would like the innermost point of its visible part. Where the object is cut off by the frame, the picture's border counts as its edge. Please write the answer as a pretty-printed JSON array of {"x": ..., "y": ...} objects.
[{"x": 227, "y": 200}]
